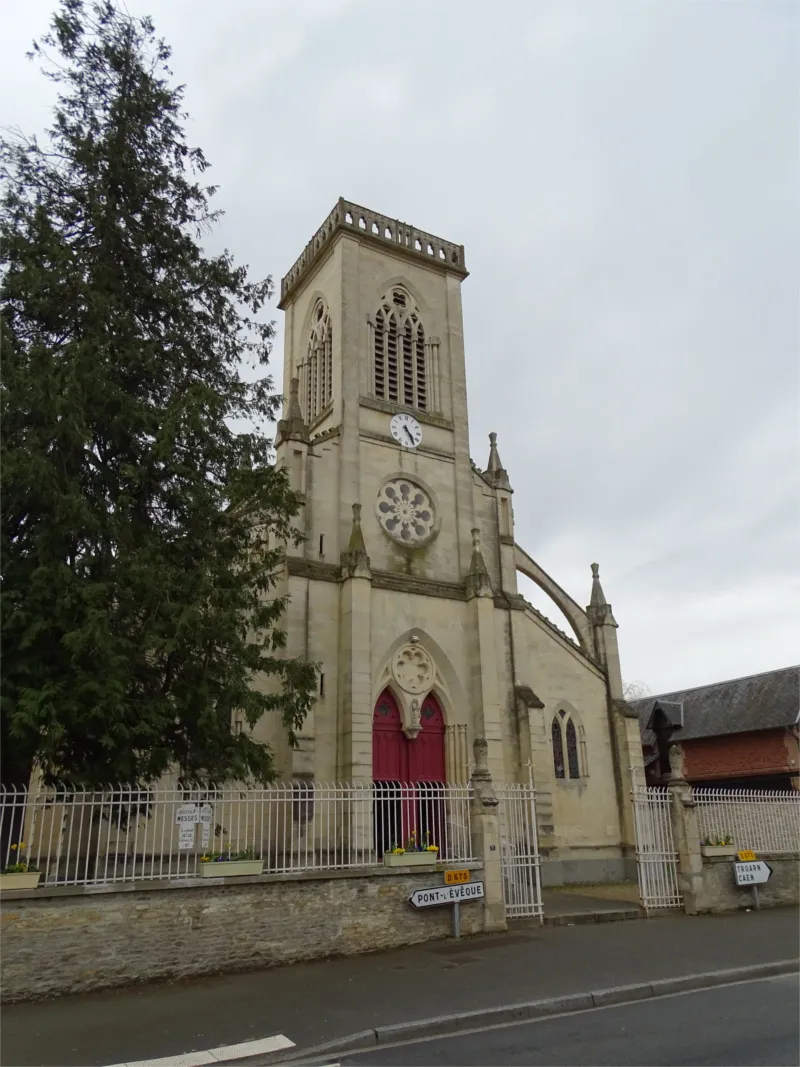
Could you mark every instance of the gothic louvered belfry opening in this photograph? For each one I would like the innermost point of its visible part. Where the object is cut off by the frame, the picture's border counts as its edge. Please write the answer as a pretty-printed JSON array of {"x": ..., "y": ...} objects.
[
  {"x": 317, "y": 371},
  {"x": 400, "y": 366}
]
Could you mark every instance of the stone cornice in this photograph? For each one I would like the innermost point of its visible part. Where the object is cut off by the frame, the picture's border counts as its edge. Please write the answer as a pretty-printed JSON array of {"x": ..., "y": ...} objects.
[
  {"x": 371, "y": 227},
  {"x": 398, "y": 583},
  {"x": 313, "y": 568},
  {"x": 418, "y": 586},
  {"x": 429, "y": 417},
  {"x": 325, "y": 435},
  {"x": 423, "y": 449},
  {"x": 409, "y": 583}
]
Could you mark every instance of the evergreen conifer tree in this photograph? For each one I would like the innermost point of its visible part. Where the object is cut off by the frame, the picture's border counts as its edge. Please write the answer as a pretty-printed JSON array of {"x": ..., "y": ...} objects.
[{"x": 140, "y": 532}]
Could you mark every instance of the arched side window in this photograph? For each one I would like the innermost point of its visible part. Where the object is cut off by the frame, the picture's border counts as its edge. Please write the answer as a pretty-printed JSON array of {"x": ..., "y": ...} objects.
[
  {"x": 558, "y": 749},
  {"x": 317, "y": 372},
  {"x": 567, "y": 732},
  {"x": 400, "y": 370}
]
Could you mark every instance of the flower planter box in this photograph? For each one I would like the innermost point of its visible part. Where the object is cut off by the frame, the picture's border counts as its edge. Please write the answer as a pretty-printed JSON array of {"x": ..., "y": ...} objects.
[
  {"x": 718, "y": 850},
  {"x": 231, "y": 868},
  {"x": 411, "y": 859},
  {"x": 20, "y": 880}
]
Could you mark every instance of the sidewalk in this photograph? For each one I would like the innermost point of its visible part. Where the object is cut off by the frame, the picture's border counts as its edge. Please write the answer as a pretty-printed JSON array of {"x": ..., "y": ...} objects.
[
  {"x": 573, "y": 904},
  {"x": 315, "y": 1002}
]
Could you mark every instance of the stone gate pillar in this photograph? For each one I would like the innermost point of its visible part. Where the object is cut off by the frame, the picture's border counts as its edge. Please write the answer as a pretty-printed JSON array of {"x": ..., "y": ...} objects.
[
  {"x": 485, "y": 821},
  {"x": 685, "y": 833}
]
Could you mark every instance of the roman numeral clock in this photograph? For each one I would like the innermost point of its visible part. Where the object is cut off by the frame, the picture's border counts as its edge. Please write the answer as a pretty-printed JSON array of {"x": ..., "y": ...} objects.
[{"x": 405, "y": 430}]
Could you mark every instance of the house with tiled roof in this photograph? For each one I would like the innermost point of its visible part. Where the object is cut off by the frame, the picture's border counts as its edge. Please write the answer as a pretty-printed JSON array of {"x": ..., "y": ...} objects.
[{"x": 742, "y": 732}]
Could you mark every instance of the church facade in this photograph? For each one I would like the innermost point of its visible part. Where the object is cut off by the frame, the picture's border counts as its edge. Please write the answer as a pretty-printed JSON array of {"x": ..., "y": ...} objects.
[{"x": 404, "y": 589}]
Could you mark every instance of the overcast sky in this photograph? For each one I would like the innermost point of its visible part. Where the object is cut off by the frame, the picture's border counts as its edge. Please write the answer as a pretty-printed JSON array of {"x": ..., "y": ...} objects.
[{"x": 625, "y": 179}]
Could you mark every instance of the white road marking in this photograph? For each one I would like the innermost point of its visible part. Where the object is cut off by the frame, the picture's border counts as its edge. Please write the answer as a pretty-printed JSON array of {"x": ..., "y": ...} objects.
[{"x": 217, "y": 1055}]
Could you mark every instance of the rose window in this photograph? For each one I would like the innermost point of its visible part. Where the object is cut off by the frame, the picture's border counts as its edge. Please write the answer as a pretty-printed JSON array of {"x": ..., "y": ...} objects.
[{"x": 405, "y": 512}]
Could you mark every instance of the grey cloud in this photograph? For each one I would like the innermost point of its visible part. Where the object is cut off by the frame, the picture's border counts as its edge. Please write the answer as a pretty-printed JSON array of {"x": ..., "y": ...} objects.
[{"x": 624, "y": 179}]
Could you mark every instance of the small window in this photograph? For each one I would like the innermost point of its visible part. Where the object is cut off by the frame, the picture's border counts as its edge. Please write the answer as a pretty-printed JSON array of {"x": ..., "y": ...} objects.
[
  {"x": 322, "y": 685},
  {"x": 558, "y": 749}
]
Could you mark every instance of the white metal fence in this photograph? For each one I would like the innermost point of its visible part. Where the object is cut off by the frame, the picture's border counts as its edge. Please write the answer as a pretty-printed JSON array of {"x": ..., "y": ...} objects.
[
  {"x": 762, "y": 820},
  {"x": 519, "y": 851},
  {"x": 126, "y": 834},
  {"x": 656, "y": 856}
]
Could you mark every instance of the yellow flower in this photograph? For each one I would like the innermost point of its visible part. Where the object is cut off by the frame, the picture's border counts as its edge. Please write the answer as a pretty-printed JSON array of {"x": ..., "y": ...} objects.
[{"x": 13, "y": 848}]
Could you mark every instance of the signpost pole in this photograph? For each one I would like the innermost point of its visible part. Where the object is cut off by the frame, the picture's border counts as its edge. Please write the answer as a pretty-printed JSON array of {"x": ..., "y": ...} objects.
[
  {"x": 457, "y": 920},
  {"x": 756, "y": 905}
]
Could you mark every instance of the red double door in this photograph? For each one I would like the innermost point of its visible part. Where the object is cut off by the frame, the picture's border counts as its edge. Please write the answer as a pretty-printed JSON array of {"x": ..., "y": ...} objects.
[
  {"x": 408, "y": 776},
  {"x": 397, "y": 759}
]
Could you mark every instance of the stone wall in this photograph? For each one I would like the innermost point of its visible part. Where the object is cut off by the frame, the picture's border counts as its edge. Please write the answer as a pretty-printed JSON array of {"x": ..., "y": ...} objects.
[
  {"x": 72, "y": 940},
  {"x": 720, "y": 893}
]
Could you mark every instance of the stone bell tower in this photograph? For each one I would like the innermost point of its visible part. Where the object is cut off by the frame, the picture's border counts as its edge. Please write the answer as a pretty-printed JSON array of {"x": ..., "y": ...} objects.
[{"x": 375, "y": 437}]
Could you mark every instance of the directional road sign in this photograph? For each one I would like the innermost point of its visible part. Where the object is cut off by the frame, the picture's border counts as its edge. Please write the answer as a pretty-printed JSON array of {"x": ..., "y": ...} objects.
[
  {"x": 752, "y": 873},
  {"x": 446, "y": 894}
]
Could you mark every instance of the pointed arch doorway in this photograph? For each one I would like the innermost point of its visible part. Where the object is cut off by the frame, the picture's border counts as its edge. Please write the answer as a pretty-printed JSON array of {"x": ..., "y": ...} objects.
[{"x": 408, "y": 776}]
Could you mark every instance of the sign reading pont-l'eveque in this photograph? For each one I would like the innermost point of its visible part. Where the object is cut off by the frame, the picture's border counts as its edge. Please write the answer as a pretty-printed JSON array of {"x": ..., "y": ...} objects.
[{"x": 446, "y": 894}]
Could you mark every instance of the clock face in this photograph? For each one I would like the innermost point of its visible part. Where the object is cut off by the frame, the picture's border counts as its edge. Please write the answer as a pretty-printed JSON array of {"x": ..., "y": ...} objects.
[{"x": 406, "y": 430}]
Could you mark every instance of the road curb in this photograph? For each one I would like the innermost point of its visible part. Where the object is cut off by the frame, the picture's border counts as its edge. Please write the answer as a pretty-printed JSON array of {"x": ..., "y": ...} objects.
[{"x": 536, "y": 1009}]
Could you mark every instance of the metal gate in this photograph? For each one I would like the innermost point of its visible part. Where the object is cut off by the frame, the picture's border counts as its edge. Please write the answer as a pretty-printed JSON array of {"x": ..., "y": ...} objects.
[
  {"x": 519, "y": 851},
  {"x": 656, "y": 857}
]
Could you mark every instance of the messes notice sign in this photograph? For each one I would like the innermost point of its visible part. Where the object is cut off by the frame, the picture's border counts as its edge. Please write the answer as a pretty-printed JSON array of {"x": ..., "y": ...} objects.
[
  {"x": 446, "y": 894},
  {"x": 187, "y": 813},
  {"x": 752, "y": 873}
]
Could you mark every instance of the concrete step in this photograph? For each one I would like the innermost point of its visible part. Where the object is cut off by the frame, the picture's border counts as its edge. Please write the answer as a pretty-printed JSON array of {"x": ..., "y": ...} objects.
[{"x": 606, "y": 915}]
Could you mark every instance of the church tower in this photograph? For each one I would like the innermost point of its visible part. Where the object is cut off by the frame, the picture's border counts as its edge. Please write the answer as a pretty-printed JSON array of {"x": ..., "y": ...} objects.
[
  {"x": 376, "y": 438},
  {"x": 404, "y": 588},
  {"x": 373, "y": 330}
]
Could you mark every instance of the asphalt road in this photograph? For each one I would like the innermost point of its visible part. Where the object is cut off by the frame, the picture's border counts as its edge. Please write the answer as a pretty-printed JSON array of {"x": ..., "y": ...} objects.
[
  {"x": 324, "y": 1000},
  {"x": 744, "y": 1025}
]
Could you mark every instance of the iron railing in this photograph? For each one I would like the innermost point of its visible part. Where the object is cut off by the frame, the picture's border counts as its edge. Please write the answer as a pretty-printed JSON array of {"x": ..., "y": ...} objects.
[
  {"x": 520, "y": 862},
  {"x": 131, "y": 833},
  {"x": 761, "y": 820},
  {"x": 656, "y": 855}
]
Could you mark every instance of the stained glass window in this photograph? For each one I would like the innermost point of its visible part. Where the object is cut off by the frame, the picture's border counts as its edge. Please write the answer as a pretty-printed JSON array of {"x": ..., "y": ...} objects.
[
  {"x": 558, "y": 749},
  {"x": 572, "y": 751}
]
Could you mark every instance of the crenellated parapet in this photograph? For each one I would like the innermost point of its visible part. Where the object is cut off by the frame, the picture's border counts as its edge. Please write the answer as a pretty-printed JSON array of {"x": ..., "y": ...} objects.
[{"x": 360, "y": 220}]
